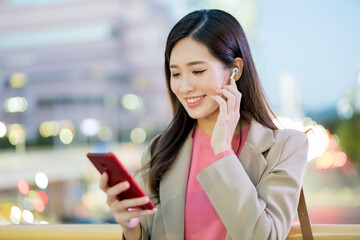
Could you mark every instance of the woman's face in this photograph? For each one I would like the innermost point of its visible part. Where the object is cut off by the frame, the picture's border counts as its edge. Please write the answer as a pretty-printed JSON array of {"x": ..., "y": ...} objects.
[{"x": 195, "y": 75}]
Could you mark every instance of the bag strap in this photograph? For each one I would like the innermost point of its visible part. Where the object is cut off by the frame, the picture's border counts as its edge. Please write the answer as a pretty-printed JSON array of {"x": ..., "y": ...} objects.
[{"x": 304, "y": 218}]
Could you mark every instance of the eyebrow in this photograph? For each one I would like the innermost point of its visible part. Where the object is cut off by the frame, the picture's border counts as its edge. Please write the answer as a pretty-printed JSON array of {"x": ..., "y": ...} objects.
[{"x": 188, "y": 64}]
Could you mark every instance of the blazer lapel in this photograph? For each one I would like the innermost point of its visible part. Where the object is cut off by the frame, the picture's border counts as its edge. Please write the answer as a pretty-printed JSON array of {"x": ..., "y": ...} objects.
[
  {"x": 259, "y": 140},
  {"x": 173, "y": 190},
  {"x": 262, "y": 138}
]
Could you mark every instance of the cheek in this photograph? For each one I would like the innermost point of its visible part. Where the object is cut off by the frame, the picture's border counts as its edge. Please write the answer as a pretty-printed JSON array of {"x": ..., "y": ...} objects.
[
  {"x": 217, "y": 82},
  {"x": 220, "y": 78},
  {"x": 174, "y": 87},
  {"x": 225, "y": 78}
]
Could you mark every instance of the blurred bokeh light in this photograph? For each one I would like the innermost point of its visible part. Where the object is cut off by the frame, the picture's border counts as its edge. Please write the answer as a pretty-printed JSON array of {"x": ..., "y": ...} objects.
[
  {"x": 41, "y": 180},
  {"x": 23, "y": 186},
  {"x": 90, "y": 127},
  {"x": 15, "y": 104},
  {"x": 2, "y": 129},
  {"x": 131, "y": 102},
  {"x": 138, "y": 135},
  {"x": 18, "y": 80}
]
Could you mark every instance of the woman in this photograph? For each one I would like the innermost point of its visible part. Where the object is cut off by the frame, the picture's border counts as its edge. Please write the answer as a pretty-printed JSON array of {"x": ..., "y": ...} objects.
[{"x": 222, "y": 169}]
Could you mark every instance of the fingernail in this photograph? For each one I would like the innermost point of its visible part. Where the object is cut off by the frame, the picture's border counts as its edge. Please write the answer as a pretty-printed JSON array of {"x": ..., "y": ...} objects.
[{"x": 152, "y": 211}]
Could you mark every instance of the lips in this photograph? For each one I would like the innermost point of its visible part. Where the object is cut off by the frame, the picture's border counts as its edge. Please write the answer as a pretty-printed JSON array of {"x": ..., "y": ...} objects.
[{"x": 194, "y": 101}]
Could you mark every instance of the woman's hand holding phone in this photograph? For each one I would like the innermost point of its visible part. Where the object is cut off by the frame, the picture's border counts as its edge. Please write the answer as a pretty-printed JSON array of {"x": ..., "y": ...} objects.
[
  {"x": 123, "y": 210},
  {"x": 228, "y": 118}
]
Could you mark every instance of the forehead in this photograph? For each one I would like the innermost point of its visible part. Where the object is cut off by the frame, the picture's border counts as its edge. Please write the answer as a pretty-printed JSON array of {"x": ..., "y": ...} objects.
[{"x": 188, "y": 50}]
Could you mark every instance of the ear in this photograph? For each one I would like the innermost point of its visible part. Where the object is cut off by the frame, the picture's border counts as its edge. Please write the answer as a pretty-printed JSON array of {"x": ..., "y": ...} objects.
[{"x": 239, "y": 63}]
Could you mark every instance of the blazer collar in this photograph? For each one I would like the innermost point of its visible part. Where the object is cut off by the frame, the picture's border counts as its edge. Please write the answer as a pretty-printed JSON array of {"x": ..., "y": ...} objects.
[{"x": 260, "y": 137}]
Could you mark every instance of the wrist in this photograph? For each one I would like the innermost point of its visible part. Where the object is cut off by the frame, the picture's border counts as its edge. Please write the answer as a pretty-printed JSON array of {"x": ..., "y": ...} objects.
[{"x": 132, "y": 233}]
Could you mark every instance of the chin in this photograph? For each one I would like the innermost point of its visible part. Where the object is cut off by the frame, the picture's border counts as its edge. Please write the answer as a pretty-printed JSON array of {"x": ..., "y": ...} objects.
[
  {"x": 201, "y": 112},
  {"x": 199, "y": 115},
  {"x": 193, "y": 114}
]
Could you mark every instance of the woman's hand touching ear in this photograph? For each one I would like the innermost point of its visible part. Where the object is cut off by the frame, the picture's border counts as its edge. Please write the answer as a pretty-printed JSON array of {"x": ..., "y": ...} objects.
[{"x": 228, "y": 118}]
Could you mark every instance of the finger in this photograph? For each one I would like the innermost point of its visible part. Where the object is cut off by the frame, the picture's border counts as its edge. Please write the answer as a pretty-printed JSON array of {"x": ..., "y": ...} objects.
[
  {"x": 133, "y": 222},
  {"x": 222, "y": 106},
  {"x": 149, "y": 212},
  {"x": 237, "y": 94},
  {"x": 112, "y": 192},
  {"x": 232, "y": 82},
  {"x": 125, "y": 217},
  {"x": 143, "y": 212},
  {"x": 140, "y": 213},
  {"x": 134, "y": 202},
  {"x": 232, "y": 89},
  {"x": 230, "y": 99},
  {"x": 104, "y": 182}
]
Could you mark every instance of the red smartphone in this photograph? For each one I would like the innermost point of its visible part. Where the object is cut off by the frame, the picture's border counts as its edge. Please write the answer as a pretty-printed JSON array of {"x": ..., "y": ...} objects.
[{"x": 109, "y": 163}]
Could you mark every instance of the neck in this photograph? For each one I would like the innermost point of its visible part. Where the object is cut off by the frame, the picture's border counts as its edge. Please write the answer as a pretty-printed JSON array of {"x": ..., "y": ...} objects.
[{"x": 207, "y": 125}]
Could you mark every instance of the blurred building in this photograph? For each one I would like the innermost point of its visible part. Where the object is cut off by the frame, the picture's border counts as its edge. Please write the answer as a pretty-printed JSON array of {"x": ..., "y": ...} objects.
[
  {"x": 73, "y": 60},
  {"x": 74, "y": 72}
]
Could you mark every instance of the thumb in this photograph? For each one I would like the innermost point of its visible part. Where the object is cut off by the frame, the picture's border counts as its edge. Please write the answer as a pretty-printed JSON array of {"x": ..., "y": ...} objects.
[{"x": 133, "y": 222}]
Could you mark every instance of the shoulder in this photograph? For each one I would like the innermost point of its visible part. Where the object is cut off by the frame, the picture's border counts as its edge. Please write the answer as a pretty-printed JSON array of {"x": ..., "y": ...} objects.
[
  {"x": 290, "y": 137},
  {"x": 291, "y": 145},
  {"x": 289, "y": 134}
]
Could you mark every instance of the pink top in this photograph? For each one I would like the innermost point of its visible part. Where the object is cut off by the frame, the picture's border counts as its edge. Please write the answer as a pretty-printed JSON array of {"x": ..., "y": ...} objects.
[{"x": 201, "y": 218}]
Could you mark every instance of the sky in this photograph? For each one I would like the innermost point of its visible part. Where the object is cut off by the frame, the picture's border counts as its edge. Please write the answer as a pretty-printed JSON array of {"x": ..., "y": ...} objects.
[{"x": 317, "y": 42}]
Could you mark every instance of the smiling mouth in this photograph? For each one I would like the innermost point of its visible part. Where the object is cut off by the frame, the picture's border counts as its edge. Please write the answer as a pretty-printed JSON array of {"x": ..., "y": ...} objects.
[{"x": 195, "y": 99}]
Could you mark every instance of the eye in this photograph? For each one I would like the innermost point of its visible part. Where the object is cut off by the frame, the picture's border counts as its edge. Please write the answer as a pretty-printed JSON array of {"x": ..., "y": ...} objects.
[
  {"x": 199, "y": 72},
  {"x": 174, "y": 75}
]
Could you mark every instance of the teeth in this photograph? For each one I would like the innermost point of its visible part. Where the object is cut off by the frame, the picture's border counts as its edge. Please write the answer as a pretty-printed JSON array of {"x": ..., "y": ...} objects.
[{"x": 192, "y": 100}]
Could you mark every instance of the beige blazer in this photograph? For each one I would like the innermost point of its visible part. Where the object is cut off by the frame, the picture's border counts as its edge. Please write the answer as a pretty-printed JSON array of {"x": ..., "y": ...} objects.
[{"x": 256, "y": 197}]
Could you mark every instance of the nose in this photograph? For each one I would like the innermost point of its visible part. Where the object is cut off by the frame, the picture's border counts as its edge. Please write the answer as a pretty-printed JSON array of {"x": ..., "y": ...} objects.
[{"x": 186, "y": 85}]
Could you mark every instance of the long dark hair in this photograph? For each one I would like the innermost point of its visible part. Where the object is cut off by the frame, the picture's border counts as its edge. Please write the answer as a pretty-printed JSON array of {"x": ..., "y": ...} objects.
[{"x": 225, "y": 40}]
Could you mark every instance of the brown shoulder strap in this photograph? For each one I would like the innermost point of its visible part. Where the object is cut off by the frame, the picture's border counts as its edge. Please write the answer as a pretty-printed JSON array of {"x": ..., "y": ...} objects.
[{"x": 304, "y": 218}]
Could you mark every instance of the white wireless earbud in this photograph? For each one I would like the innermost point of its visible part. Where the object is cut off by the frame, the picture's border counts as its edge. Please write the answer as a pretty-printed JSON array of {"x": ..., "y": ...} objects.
[{"x": 235, "y": 71}]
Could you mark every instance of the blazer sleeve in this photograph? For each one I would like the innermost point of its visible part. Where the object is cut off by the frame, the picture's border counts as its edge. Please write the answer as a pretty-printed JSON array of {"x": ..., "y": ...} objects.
[{"x": 266, "y": 209}]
